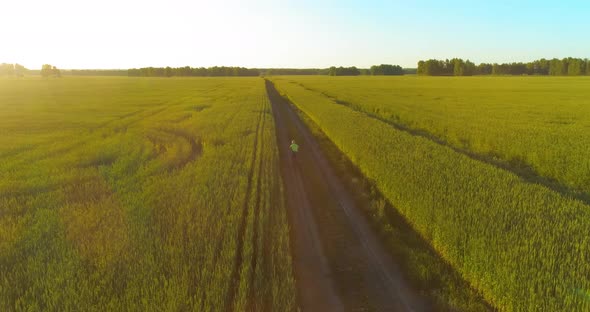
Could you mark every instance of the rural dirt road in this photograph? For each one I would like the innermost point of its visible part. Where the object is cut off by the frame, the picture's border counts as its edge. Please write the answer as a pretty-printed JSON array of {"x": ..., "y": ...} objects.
[{"x": 340, "y": 263}]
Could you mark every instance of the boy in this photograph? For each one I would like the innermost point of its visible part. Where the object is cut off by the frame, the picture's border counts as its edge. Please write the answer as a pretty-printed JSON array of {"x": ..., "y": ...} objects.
[{"x": 294, "y": 149}]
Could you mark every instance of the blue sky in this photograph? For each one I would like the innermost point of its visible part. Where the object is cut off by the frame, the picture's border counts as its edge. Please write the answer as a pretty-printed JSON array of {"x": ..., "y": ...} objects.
[{"x": 303, "y": 33}]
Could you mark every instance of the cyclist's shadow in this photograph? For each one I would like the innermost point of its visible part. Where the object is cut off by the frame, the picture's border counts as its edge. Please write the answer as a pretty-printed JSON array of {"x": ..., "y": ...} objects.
[{"x": 294, "y": 161}]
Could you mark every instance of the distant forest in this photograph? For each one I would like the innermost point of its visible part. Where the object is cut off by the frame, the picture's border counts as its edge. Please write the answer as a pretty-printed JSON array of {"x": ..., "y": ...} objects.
[
  {"x": 457, "y": 67},
  {"x": 383, "y": 69},
  {"x": 453, "y": 67},
  {"x": 216, "y": 71},
  {"x": 12, "y": 70}
]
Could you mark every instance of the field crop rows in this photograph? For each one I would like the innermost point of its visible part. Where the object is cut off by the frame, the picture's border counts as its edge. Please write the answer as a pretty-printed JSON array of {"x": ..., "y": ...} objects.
[
  {"x": 141, "y": 194},
  {"x": 538, "y": 125},
  {"x": 523, "y": 245}
]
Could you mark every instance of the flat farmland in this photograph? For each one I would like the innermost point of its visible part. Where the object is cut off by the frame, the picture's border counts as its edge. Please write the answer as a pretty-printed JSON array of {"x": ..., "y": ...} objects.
[
  {"x": 537, "y": 125},
  {"x": 480, "y": 166},
  {"x": 407, "y": 194},
  {"x": 141, "y": 194}
]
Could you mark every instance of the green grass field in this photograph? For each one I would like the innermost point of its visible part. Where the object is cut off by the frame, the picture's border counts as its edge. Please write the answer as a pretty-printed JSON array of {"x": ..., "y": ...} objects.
[
  {"x": 152, "y": 194},
  {"x": 130, "y": 194},
  {"x": 448, "y": 154},
  {"x": 539, "y": 124}
]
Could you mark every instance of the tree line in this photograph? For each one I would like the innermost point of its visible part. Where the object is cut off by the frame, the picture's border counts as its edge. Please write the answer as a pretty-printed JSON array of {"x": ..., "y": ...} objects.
[
  {"x": 457, "y": 67},
  {"x": 12, "y": 70},
  {"x": 216, "y": 71},
  {"x": 344, "y": 71},
  {"x": 387, "y": 70},
  {"x": 96, "y": 72},
  {"x": 17, "y": 70},
  {"x": 375, "y": 70},
  {"x": 48, "y": 70},
  {"x": 291, "y": 71},
  {"x": 187, "y": 71}
]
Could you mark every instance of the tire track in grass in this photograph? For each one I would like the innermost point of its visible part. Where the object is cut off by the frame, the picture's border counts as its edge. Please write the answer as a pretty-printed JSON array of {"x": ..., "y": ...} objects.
[
  {"x": 251, "y": 292},
  {"x": 196, "y": 147},
  {"x": 313, "y": 275},
  {"x": 235, "y": 275},
  {"x": 365, "y": 275},
  {"x": 273, "y": 189}
]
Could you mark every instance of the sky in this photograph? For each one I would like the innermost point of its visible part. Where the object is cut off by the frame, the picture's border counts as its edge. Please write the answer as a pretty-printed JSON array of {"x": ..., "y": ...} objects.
[{"x": 110, "y": 34}]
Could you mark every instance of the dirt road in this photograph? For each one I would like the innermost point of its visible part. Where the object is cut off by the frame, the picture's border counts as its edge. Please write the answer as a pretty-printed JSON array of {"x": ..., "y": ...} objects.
[{"x": 340, "y": 264}]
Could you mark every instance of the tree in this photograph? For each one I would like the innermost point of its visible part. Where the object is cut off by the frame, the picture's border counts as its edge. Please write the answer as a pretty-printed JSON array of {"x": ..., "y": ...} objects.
[
  {"x": 516, "y": 68},
  {"x": 576, "y": 67},
  {"x": 56, "y": 72},
  {"x": 50, "y": 71},
  {"x": 168, "y": 71},
  {"x": 531, "y": 68},
  {"x": 458, "y": 67},
  {"x": 564, "y": 65},
  {"x": 291, "y": 71},
  {"x": 344, "y": 71},
  {"x": 484, "y": 69},
  {"x": 542, "y": 67},
  {"x": 469, "y": 68},
  {"x": 101, "y": 72},
  {"x": 188, "y": 71},
  {"x": 421, "y": 68},
  {"x": 46, "y": 70},
  {"x": 19, "y": 70},
  {"x": 509, "y": 69},
  {"x": 435, "y": 68},
  {"x": 6, "y": 69},
  {"x": 556, "y": 67},
  {"x": 496, "y": 69},
  {"x": 332, "y": 71},
  {"x": 386, "y": 69}
]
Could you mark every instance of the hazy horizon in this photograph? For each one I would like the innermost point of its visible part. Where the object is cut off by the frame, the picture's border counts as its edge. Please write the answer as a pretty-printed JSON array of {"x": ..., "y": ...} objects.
[{"x": 290, "y": 34}]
